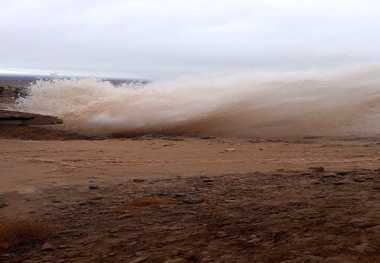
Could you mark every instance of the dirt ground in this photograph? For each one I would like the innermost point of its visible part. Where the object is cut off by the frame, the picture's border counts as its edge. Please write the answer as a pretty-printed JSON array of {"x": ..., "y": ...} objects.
[{"x": 176, "y": 199}]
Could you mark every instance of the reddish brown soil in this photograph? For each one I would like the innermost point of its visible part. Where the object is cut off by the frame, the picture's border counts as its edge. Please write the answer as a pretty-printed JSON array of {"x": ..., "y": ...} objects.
[
  {"x": 189, "y": 200},
  {"x": 286, "y": 216}
]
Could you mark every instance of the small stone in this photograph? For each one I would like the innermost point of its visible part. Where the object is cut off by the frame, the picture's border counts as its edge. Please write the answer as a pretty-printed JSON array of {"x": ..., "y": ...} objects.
[
  {"x": 93, "y": 186},
  {"x": 174, "y": 260},
  {"x": 138, "y": 180},
  {"x": 221, "y": 234},
  {"x": 208, "y": 137},
  {"x": 315, "y": 259},
  {"x": 63, "y": 246},
  {"x": 123, "y": 217},
  {"x": 254, "y": 239},
  {"x": 254, "y": 141},
  {"x": 365, "y": 248},
  {"x": 96, "y": 198},
  {"x": 47, "y": 247},
  {"x": 358, "y": 180},
  {"x": 131, "y": 244},
  {"x": 317, "y": 169},
  {"x": 179, "y": 195},
  {"x": 193, "y": 200},
  {"x": 342, "y": 173},
  {"x": 329, "y": 175},
  {"x": 230, "y": 150},
  {"x": 139, "y": 259},
  {"x": 208, "y": 181},
  {"x": 2, "y": 205}
]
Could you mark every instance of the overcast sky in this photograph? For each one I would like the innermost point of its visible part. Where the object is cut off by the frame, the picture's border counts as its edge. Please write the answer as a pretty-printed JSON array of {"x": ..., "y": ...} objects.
[{"x": 153, "y": 39}]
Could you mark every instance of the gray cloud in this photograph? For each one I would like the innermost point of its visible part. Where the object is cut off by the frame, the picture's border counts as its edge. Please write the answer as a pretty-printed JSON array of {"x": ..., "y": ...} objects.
[{"x": 155, "y": 39}]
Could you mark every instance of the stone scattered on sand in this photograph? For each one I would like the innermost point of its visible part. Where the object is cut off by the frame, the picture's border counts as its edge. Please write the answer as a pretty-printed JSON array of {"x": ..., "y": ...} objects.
[
  {"x": 358, "y": 180},
  {"x": 179, "y": 195},
  {"x": 229, "y": 215},
  {"x": 208, "y": 138},
  {"x": 93, "y": 186},
  {"x": 138, "y": 180},
  {"x": 139, "y": 259},
  {"x": 208, "y": 181},
  {"x": 254, "y": 141},
  {"x": 123, "y": 217},
  {"x": 3, "y": 205},
  {"x": 193, "y": 200},
  {"x": 230, "y": 150},
  {"x": 174, "y": 260},
  {"x": 131, "y": 244},
  {"x": 317, "y": 169},
  {"x": 342, "y": 173},
  {"x": 47, "y": 247}
]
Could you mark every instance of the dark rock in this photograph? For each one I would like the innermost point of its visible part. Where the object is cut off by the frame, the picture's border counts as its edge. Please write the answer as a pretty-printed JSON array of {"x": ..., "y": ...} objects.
[
  {"x": 208, "y": 181},
  {"x": 331, "y": 175},
  {"x": 208, "y": 137},
  {"x": 93, "y": 186},
  {"x": 342, "y": 173},
  {"x": 3, "y": 205},
  {"x": 25, "y": 118},
  {"x": 254, "y": 141},
  {"x": 138, "y": 180},
  {"x": 317, "y": 169},
  {"x": 358, "y": 180},
  {"x": 179, "y": 195},
  {"x": 193, "y": 200},
  {"x": 177, "y": 139}
]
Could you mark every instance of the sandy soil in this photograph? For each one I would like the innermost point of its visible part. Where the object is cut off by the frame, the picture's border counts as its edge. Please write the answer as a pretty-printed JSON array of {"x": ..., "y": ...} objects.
[{"x": 175, "y": 199}]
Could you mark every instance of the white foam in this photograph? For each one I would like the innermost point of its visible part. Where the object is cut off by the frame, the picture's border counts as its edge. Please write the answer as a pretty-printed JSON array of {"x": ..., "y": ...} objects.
[{"x": 239, "y": 104}]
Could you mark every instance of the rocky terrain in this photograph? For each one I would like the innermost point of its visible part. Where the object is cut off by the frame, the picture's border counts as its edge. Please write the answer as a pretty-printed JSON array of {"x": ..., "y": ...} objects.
[{"x": 283, "y": 216}]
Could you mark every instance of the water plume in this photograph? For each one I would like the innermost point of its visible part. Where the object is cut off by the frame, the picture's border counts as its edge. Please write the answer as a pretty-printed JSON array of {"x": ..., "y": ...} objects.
[{"x": 238, "y": 104}]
